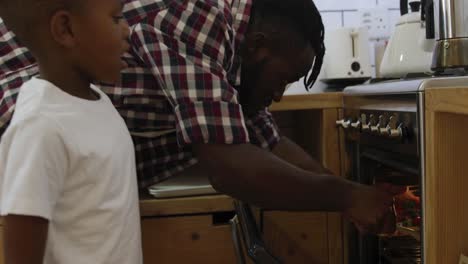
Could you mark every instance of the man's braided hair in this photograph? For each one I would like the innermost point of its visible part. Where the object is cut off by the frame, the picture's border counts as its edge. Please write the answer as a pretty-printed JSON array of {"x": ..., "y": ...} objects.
[{"x": 305, "y": 18}]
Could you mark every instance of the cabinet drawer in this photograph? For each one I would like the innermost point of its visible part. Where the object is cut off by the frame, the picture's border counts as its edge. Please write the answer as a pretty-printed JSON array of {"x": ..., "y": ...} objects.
[
  {"x": 187, "y": 239},
  {"x": 297, "y": 237}
]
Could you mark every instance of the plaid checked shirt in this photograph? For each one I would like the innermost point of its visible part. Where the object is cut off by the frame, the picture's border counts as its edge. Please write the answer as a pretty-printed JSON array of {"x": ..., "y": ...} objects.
[{"x": 179, "y": 88}]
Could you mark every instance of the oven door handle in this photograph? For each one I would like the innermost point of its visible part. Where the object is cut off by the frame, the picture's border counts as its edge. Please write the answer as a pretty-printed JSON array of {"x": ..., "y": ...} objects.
[{"x": 390, "y": 163}]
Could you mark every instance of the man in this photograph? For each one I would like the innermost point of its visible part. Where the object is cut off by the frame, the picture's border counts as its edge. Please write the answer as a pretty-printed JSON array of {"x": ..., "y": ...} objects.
[{"x": 201, "y": 76}]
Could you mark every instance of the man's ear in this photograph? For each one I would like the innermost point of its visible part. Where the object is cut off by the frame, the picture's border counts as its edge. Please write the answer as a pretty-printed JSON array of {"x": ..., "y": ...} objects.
[
  {"x": 61, "y": 28},
  {"x": 257, "y": 47}
]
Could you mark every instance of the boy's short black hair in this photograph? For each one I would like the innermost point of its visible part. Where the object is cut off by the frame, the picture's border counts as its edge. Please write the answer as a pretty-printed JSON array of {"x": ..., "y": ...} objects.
[
  {"x": 25, "y": 17},
  {"x": 301, "y": 16}
]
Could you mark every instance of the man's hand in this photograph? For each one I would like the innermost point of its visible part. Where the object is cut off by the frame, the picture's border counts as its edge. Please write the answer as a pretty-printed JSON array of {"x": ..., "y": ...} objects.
[
  {"x": 24, "y": 239},
  {"x": 369, "y": 206},
  {"x": 384, "y": 219}
]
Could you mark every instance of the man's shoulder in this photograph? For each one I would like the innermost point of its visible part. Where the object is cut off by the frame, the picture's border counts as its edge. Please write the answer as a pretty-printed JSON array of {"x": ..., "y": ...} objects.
[
  {"x": 13, "y": 56},
  {"x": 136, "y": 10}
]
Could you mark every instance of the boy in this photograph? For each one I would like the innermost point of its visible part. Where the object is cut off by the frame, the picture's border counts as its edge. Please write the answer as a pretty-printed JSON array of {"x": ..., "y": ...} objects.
[{"x": 68, "y": 190}]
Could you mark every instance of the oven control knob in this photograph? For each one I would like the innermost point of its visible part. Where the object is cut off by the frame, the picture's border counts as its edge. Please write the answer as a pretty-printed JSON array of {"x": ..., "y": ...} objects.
[
  {"x": 374, "y": 127},
  {"x": 395, "y": 130},
  {"x": 365, "y": 126},
  {"x": 340, "y": 122},
  {"x": 382, "y": 125},
  {"x": 357, "y": 125},
  {"x": 344, "y": 123}
]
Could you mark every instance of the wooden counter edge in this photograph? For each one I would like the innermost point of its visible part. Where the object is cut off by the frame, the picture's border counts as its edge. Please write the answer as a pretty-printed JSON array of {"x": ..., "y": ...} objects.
[
  {"x": 182, "y": 206},
  {"x": 185, "y": 206},
  {"x": 309, "y": 102},
  {"x": 454, "y": 100}
]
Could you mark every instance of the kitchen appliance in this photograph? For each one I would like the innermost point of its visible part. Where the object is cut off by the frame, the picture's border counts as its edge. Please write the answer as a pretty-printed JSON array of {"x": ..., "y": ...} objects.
[
  {"x": 384, "y": 138},
  {"x": 348, "y": 56},
  {"x": 451, "y": 32},
  {"x": 408, "y": 51}
]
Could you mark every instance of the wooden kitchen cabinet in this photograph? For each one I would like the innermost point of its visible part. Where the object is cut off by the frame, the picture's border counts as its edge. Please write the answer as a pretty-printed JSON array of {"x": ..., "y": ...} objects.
[
  {"x": 187, "y": 230},
  {"x": 187, "y": 239},
  {"x": 297, "y": 237},
  {"x": 446, "y": 186},
  {"x": 309, "y": 237}
]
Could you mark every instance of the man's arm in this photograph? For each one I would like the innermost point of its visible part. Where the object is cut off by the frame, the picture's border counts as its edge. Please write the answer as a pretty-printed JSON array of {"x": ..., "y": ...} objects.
[
  {"x": 289, "y": 151},
  {"x": 256, "y": 176},
  {"x": 24, "y": 239}
]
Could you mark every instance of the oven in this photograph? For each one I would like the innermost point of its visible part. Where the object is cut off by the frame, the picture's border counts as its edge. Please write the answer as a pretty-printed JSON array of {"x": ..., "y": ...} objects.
[
  {"x": 384, "y": 143},
  {"x": 384, "y": 139}
]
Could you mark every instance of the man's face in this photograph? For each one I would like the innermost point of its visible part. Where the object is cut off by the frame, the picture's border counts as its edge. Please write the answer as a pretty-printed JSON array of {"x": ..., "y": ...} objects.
[{"x": 265, "y": 81}]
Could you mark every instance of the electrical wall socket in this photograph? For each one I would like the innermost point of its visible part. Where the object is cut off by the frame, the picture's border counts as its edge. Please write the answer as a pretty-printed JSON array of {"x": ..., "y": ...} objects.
[{"x": 377, "y": 21}]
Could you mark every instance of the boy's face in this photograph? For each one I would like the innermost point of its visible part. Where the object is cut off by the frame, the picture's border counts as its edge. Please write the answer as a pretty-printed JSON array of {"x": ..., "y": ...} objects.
[{"x": 102, "y": 37}]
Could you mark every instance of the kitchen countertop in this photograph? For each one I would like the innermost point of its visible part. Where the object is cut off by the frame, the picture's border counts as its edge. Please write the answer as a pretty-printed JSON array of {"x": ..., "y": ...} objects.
[
  {"x": 309, "y": 101},
  {"x": 150, "y": 207}
]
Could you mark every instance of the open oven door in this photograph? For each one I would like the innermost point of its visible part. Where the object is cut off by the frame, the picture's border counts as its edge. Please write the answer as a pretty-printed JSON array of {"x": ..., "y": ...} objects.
[{"x": 246, "y": 236}]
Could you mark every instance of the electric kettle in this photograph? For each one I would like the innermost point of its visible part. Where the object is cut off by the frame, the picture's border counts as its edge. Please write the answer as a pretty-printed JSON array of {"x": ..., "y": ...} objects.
[{"x": 408, "y": 51}]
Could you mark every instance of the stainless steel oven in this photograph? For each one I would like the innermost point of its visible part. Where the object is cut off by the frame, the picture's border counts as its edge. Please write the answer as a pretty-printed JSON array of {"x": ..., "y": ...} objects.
[
  {"x": 384, "y": 132},
  {"x": 383, "y": 140}
]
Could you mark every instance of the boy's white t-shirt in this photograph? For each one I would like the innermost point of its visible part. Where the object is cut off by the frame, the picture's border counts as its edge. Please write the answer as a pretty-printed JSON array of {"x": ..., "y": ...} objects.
[{"x": 71, "y": 161}]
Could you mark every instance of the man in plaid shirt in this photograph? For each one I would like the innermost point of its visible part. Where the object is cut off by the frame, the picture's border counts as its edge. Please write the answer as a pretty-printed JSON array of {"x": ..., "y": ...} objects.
[{"x": 195, "y": 95}]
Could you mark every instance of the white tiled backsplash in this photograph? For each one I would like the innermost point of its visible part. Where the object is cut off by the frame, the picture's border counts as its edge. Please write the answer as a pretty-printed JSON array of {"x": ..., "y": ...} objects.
[
  {"x": 339, "y": 13},
  {"x": 348, "y": 13}
]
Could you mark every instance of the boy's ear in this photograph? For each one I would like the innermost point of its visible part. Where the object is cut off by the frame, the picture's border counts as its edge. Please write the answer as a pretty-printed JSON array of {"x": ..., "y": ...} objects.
[
  {"x": 257, "y": 47},
  {"x": 61, "y": 29}
]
